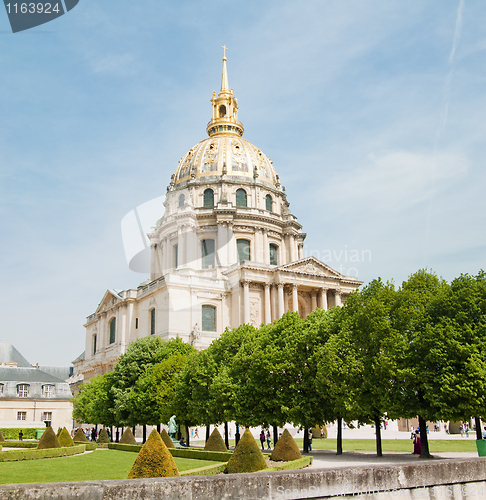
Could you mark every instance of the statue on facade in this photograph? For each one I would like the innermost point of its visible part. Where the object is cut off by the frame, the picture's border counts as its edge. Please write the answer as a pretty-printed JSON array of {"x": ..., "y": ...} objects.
[
  {"x": 196, "y": 333},
  {"x": 172, "y": 426}
]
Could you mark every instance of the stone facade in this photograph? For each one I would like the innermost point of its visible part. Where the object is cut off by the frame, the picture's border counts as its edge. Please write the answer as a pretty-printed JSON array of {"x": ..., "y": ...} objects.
[{"x": 227, "y": 251}]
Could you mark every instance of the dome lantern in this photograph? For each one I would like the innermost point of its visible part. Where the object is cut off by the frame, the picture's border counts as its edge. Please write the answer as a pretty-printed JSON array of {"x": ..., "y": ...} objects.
[{"x": 225, "y": 109}]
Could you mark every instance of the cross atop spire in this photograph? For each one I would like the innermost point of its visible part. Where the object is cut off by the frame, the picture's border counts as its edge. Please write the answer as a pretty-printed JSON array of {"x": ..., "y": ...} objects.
[{"x": 224, "y": 77}]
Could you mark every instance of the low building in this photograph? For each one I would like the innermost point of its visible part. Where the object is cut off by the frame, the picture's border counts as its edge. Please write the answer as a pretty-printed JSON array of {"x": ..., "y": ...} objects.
[{"x": 30, "y": 397}]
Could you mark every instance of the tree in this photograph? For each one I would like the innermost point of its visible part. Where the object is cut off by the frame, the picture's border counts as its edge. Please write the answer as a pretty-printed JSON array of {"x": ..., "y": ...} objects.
[
  {"x": 425, "y": 357},
  {"x": 370, "y": 339},
  {"x": 140, "y": 355}
]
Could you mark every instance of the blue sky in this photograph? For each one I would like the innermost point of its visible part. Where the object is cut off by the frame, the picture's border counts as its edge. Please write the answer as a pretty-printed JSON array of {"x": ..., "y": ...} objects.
[{"x": 372, "y": 112}]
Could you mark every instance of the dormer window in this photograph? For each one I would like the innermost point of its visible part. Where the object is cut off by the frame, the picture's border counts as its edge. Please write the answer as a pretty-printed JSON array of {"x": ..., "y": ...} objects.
[
  {"x": 23, "y": 390},
  {"x": 1, "y": 389},
  {"x": 48, "y": 391}
]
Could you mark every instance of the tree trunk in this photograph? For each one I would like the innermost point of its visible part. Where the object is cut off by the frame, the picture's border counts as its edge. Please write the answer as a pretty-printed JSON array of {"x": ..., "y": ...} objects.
[
  {"x": 306, "y": 441},
  {"x": 187, "y": 436},
  {"x": 158, "y": 428},
  {"x": 134, "y": 428},
  {"x": 111, "y": 434},
  {"x": 237, "y": 435},
  {"x": 208, "y": 428},
  {"x": 379, "y": 452},
  {"x": 117, "y": 435},
  {"x": 424, "y": 442},
  {"x": 144, "y": 436},
  {"x": 275, "y": 435},
  {"x": 226, "y": 437},
  {"x": 479, "y": 434},
  {"x": 339, "y": 450}
]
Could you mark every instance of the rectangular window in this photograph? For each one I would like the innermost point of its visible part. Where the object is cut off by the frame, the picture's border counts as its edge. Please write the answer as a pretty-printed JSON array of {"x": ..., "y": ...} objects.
[
  {"x": 273, "y": 255},
  {"x": 176, "y": 256},
  {"x": 47, "y": 416},
  {"x": 208, "y": 318},
  {"x": 1, "y": 389},
  {"x": 207, "y": 247},
  {"x": 152, "y": 322},
  {"x": 95, "y": 338},
  {"x": 22, "y": 390},
  {"x": 136, "y": 323},
  {"x": 48, "y": 391},
  {"x": 243, "y": 249},
  {"x": 112, "y": 330},
  {"x": 21, "y": 415}
]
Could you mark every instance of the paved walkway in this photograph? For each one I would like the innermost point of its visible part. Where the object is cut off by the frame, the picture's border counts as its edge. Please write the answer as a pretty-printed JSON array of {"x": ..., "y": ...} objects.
[{"x": 324, "y": 459}]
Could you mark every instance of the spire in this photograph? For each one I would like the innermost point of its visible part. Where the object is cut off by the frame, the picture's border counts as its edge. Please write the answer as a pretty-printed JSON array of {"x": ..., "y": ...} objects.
[
  {"x": 225, "y": 109},
  {"x": 224, "y": 76}
]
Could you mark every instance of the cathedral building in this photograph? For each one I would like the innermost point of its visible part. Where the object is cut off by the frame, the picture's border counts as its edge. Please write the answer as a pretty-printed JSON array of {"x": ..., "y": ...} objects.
[{"x": 226, "y": 251}]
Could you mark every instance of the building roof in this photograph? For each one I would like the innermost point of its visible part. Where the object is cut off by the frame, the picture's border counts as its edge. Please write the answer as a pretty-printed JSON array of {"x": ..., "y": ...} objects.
[
  {"x": 9, "y": 374},
  {"x": 8, "y": 354},
  {"x": 61, "y": 372}
]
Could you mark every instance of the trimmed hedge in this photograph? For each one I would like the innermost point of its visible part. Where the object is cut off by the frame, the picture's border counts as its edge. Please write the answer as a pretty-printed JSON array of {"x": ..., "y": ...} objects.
[
  {"x": 20, "y": 444},
  {"x": 48, "y": 440},
  {"x": 286, "y": 449},
  {"x": 128, "y": 437},
  {"x": 215, "y": 442},
  {"x": 206, "y": 471},
  {"x": 14, "y": 433},
  {"x": 300, "y": 463},
  {"x": 247, "y": 456},
  {"x": 64, "y": 438},
  {"x": 103, "y": 437},
  {"x": 90, "y": 446},
  {"x": 17, "y": 455},
  {"x": 154, "y": 460},
  {"x": 167, "y": 439},
  {"x": 125, "y": 447},
  {"x": 80, "y": 436},
  {"x": 1, "y": 437},
  {"x": 199, "y": 454}
]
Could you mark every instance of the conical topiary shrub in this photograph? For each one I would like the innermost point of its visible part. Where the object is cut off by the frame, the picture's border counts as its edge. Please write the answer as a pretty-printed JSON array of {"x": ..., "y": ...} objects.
[
  {"x": 128, "y": 437},
  {"x": 80, "y": 436},
  {"x": 247, "y": 456},
  {"x": 65, "y": 438},
  {"x": 215, "y": 442},
  {"x": 103, "y": 437},
  {"x": 166, "y": 439},
  {"x": 48, "y": 440},
  {"x": 286, "y": 449},
  {"x": 58, "y": 433},
  {"x": 154, "y": 460},
  {"x": 1, "y": 437}
]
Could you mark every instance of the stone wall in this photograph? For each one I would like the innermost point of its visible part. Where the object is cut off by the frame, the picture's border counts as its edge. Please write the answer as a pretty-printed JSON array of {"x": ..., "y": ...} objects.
[{"x": 445, "y": 479}]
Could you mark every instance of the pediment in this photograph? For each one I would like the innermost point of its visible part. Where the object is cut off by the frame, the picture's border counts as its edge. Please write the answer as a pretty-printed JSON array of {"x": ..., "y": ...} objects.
[
  {"x": 110, "y": 298},
  {"x": 311, "y": 266}
]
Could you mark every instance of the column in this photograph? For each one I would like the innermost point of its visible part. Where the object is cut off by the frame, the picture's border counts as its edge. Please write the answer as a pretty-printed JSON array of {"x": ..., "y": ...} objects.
[
  {"x": 191, "y": 248},
  {"x": 246, "y": 301},
  {"x": 313, "y": 300},
  {"x": 232, "y": 257},
  {"x": 337, "y": 297},
  {"x": 301, "y": 251},
  {"x": 323, "y": 301},
  {"x": 153, "y": 249},
  {"x": 292, "y": 248},
  {"x": 165, "y": 258},
  {"x": 280, "y": 287},
  {"x": 180, "y": 248},
  {"x": 266, "y": 251},
  {"x": 268, "y": 305},
  {"x": 295, "y": 298},
  {"x": 222, "y": 244}
]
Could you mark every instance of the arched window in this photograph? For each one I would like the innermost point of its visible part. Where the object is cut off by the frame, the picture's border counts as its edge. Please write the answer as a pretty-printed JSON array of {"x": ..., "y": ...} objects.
[
  {"x": 112, "y": 330},
  {"x": 95, "y": 339},
  {"x": 209, "y": 198},
  {"x": 208, "y": 318},
  {"x": 207, "y": 250},
  {"x": 243, "y": 248},
  {"x": 273, "y": 255},
  {"x": 182, "y": 200},
  {"x": 269, "y": 203},
  {"x": 222, "y": 111},
  {"x": 152, "y": 321},
  {"x": 241, "y": 198}
]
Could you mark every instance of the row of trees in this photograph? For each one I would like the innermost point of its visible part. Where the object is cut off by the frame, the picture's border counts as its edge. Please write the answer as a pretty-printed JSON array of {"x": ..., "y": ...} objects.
[{"x": 387, "y": 353}]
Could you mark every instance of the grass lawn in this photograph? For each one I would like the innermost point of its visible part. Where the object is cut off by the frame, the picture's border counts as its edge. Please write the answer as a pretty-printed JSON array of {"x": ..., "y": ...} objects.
[
  {"x": 100, "y": 464},
  {"x": 388, "y": 445},
  {"x": 393, "y": 445}
]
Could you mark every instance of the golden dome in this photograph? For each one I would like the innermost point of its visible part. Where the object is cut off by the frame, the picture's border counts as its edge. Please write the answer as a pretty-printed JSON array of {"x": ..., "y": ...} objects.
[{"x": 225, "y": 152}]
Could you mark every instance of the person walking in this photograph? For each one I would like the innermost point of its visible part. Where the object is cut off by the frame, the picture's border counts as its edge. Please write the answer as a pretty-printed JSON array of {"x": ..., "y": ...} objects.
[
  {"x": 262, "y": 439},
  {"x": 21, "y": 435},
  {"x": 310, "y": 440},
  {"x": 269, "y": 440},
  {"x": 417, "y": 446}
]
